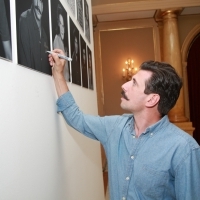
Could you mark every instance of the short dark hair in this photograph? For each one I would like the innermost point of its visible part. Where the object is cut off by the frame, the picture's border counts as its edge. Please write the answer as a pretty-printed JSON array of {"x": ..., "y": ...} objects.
[{"x": 164, "y": 81}]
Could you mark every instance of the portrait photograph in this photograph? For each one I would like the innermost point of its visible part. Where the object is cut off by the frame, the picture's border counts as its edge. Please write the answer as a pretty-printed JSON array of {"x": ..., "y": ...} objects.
[
  {"x": 79, "y": 6},
  {"x": 33, "y": 40},
  {"x": 90, "y": 76},
  {"x": 84, "y": 71},
  {"x": 5, "y": 30},
  {"x": 75, "y": 54},
  {"x": 71, "y": 4},
  {"x": 60, "y": 32},
  {"x": 87, "y": 21}
]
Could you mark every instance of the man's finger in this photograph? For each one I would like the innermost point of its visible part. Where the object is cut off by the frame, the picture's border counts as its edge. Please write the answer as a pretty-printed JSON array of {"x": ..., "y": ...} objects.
[
  {"x": 55, "y": 56},
  {"x": 58, "y": 51}
]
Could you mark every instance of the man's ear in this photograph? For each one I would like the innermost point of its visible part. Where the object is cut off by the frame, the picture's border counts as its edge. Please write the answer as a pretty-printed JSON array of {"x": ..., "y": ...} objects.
[{"x": 152, "y": 100}]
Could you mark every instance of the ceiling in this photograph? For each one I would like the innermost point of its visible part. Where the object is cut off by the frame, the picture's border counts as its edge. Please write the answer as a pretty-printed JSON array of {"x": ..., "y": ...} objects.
[{"x": 115, "y": 10}]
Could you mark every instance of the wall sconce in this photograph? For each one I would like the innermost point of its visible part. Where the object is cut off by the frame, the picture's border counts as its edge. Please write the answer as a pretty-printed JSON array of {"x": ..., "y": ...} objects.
[{"x": 129, "y": 70}]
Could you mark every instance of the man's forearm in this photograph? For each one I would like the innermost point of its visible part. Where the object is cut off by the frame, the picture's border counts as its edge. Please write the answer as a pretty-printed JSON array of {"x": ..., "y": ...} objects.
[{"x": 60, "y": 83}]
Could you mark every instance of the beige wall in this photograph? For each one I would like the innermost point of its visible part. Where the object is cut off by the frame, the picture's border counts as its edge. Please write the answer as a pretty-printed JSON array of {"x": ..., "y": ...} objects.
[
  {"x": 137, "y": 44},
  {"x": 118, "y": 41},
  {"x": 185, "y": 24}
]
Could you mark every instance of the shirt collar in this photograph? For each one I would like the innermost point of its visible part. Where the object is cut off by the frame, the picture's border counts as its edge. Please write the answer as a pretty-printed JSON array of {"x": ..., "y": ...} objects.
[{"x": 153, "y": 128}]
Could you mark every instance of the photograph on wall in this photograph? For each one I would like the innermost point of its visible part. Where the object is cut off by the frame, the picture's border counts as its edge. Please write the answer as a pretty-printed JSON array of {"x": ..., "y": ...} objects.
[
  {"x": 5, "y": 30},
  {"x": 60, "y": 32},
  {"x": 90, "y": 77},
  {"x": 79, "y": 6},
  {"x": 71, "y": 4},
  {"x": 87, "y": 21},
  {"x": 84, "y": 71},
  {"x": 33, "y": 40},
  {"x": 75, "y": 54}
]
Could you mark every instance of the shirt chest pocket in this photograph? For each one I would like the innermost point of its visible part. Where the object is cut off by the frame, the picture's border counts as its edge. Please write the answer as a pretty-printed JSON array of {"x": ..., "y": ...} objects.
[{"x": 150, "y": 182}]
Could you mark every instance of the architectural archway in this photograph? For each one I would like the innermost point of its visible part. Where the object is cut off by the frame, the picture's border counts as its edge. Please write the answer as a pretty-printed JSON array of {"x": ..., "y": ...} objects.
[
  {"x": 184, "y": 55},
  {"x": 191, "y": 62}
]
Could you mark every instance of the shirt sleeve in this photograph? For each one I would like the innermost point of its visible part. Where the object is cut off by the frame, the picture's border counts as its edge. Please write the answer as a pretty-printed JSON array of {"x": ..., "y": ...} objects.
[
  {"x": 95, "y": 127},
  {"x": 187, "y": 180}
]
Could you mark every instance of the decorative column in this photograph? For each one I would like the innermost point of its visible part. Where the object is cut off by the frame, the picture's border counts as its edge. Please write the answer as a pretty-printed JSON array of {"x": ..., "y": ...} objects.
[
  {"x": 160, "y": 28},
  {"x": 172, "y": 54}
]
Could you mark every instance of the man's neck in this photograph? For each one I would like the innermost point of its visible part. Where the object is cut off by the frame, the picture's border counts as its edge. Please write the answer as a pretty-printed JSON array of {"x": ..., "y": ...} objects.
[{"x": 142, "y": 122}]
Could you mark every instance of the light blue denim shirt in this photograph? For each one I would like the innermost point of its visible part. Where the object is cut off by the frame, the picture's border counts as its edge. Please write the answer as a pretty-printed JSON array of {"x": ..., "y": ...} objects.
[{"x": 162, "y": 164}]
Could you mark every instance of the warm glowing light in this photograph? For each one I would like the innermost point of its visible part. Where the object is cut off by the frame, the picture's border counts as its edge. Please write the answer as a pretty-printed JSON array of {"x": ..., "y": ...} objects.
[
  {"x": 129, "y": 70},
  {"x": 123, "y": 72}
]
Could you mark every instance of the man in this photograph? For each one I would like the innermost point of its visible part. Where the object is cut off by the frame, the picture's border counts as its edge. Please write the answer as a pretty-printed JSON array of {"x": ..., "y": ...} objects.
[
  {"x": 59, "y": 41},
  {"x": 87, "y": 25},
  {"x": 84, "y": 71},
  {"x": 76, "y": 73},
  {"x": 90, "y": 69},
  {"x": 148, "y": 157},
  {"x": 79, "y": 5},
  {"x": 32, "y": 41}
]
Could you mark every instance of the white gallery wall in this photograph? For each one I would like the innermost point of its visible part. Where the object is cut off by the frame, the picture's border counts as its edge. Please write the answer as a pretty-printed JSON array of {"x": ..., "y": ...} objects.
[{"x": 41, "y": 157}]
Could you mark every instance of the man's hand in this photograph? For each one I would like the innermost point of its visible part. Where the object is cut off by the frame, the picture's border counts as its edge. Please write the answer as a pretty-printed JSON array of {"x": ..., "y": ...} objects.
[{"x": 57, "y": 63}]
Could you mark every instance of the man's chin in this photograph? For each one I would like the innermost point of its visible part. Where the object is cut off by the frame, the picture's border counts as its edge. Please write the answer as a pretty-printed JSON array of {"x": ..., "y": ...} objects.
[{"x": 123, "y": 106}]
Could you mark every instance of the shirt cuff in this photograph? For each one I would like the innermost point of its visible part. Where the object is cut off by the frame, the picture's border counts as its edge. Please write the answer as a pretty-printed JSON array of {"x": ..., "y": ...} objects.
[{"x": 64, "y": 101}]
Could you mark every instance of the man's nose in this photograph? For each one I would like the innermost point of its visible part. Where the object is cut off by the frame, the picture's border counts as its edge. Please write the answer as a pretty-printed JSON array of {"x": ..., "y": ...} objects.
[{"x": 125, "y": 85}]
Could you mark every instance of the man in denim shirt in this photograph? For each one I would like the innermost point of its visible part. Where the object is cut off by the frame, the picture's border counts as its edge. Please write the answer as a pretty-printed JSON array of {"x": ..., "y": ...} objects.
[{"x": 149, "y": 158}]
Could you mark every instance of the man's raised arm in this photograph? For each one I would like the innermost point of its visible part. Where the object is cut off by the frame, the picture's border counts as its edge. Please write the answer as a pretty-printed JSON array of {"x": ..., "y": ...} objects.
[{"x": 58, "y": 65}]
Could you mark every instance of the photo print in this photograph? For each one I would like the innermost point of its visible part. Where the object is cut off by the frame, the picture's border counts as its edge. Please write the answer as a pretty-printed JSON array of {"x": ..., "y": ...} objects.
[
  {"x": 79, "y": 6},
  {"x": 90, "y": 77},
  {"x": 60, "y": 32},
  {"x": 5, "y": 30},
  {"x": 75, "y": 54},
  {"x": 71, "y": 4},
  {"x": 84, "y": 71},
  {"x": 87, "y": 21},
  {"x": 33, "y": 40}
]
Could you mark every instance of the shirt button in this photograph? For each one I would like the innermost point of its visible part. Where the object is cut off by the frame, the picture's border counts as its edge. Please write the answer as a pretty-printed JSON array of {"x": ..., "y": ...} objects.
[
  {"x": 151, "y": 134},
  {"x": 132, "y": 157},
  {"x": 127, "y": 178},
  {"x": 123, "y": 198},
  {"x": 134, "y": 136}
]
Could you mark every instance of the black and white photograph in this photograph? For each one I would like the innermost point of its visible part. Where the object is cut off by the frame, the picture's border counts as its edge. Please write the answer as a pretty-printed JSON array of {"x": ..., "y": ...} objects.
[
  {"x": 79, "y": 6},
  {"x": 87, "y": 20},
  {"x": 90, "y": 76},
  {"x": 75, "y": 54},
  {"x": 71, "y": 4},
  {"x": 5, "y": 30},
  {"x": 84, "y": 71},
  {"x": 60, "y": 32},
  {"x": 33, "y": 40}
]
